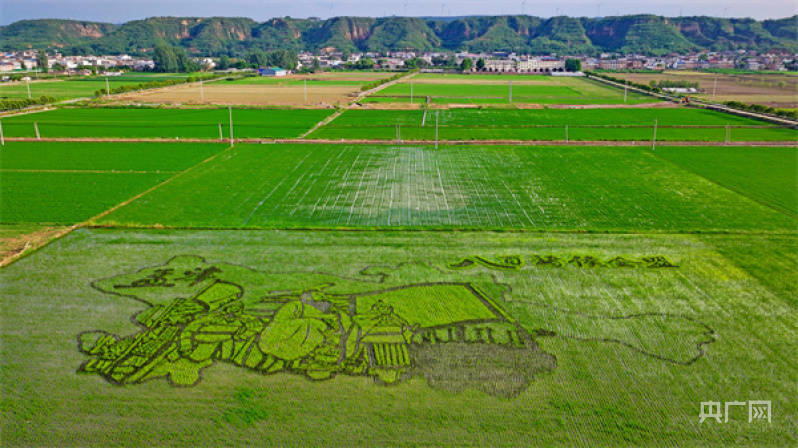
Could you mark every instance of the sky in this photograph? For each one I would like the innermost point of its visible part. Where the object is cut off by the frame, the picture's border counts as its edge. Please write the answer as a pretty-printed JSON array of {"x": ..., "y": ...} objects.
[{"x": 118, "y": 11}]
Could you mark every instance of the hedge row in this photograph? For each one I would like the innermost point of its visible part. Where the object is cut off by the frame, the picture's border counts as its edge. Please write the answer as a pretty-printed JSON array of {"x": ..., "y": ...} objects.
[
  {"x": 646, "y": 87},
  {"x": 155, "y": 84},
  {"x": 23, "y": 103},
  {"x": 380, "y": 82},
  {"x": 759, "y": 108}
]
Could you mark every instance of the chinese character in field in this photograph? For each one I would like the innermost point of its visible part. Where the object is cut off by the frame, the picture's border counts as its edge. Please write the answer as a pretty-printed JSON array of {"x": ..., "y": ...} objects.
[
  {"x": 759, "y": 410},
  {"x": 731, "y": 403},
  {"x": 710, "y": 409}
]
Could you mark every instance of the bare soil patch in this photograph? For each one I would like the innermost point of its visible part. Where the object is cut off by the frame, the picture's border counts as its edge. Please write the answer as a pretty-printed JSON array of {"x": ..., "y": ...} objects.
[
  {"x": 244, "y": 94},
  {"x": 775, "y": 90},
  {"x": 14, "y": 246}
]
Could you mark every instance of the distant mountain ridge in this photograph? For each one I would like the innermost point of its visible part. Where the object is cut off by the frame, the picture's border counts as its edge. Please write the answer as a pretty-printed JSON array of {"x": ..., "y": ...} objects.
[{"x": 215, "y": 36}]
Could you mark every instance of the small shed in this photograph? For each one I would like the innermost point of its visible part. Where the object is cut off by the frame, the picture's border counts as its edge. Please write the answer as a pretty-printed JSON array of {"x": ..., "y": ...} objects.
[{"x": 272, "y": 71}]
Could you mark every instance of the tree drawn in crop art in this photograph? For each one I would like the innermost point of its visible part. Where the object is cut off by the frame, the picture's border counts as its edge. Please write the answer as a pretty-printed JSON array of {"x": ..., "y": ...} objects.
[{"x": 388, "y": 323}]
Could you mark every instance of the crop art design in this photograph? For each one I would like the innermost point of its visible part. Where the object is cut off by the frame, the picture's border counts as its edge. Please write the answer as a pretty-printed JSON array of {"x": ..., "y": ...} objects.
[
  {"x": 387, "y": 322},
  {"x": 445, "y": 327}
]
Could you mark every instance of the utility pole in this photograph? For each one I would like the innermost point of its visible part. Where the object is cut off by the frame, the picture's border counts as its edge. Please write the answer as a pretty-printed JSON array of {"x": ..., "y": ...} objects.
[
  {"x": 305, "y": 91},
  {"x": 437, "y": 112},
  {"x": 625, "y": 88},
  {"x": 202, "y": 92},
  {"x": 398, "y": 134},
  {"x": 424, "y": 118},
  {"x": 411, "y": 91},
  {"x": 107, "y": 87},
  {"x": 654, "y": 138},
  {"x": 2, "y": 138},
  {"x": 511, "y": 92},
  {"x": 230, "y": 110},
  {"x": 566, "y": 133},
  {"x": 714, "y": 88},
  {"x": 36, "y": 128},
  {"x": 28, "y": 82},
  {"x": 221, "y": 137}
]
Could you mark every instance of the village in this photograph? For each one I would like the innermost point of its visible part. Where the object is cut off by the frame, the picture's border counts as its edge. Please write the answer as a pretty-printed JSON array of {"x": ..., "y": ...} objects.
[{"x": 494, "y": 62}]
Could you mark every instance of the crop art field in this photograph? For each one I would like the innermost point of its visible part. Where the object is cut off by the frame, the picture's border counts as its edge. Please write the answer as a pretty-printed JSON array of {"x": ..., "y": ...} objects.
[
  {"x": 610, "y": 353},
  {"x": 491, "y": 89},
  {"x": 358, "y": 285},
  {"x": 673, "y": 124},
  {"x": 165, "y": 123}
]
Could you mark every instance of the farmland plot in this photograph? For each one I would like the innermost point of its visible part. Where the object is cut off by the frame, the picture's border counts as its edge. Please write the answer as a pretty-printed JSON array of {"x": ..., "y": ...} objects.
[
  {"x": 765, "y": 174},
  {"x": 165, "y": 123},
  {"x": 321, "y": 89},
  {"x": 81, "y": 86},
  {"x": 770, "y": 89},
  {"x": 619, "y": 351},
  {"x": 550, "y": 124},
  {"x": 496, "y": 187},
  {"x": 65, "y": 183},
  {"x": 487, "y": 89}
]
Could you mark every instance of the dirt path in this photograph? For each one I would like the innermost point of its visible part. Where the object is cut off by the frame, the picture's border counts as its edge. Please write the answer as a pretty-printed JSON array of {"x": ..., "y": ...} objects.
[{"x": 415, "y": 142}]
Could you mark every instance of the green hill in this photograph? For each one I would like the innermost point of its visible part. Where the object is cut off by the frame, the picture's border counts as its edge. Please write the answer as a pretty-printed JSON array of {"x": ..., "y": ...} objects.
[{"x": 214, "y": 36}]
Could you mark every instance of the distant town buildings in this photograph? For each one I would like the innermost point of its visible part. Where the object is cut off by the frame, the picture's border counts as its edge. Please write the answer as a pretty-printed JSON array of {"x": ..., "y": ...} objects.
[
  {"x": 26, "y": 60},
  {"x": 494, "y": 62}
]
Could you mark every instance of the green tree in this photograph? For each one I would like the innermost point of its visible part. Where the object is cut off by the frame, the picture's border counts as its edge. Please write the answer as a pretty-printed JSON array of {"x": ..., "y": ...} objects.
[
  {"x": 164, "y": 59},
  {"x": 286, "y": 59},
  {"x": 573, "y": 65},
  {"x": 451, "y": 60},
  {"x": 41, "y": 61},
  {"x": 416, "y": 63},
  {"x": 184, "y": 62},
  {"x": 480, "y": 64},
  {"x": 316, "y": 65},
  {"x": 223, "y": 63},
  {"x": 439, "y": 60},
  {"x": 466, "y": 64},
  {"x": 365, "y": 64},
  {"x": 257, "y": 58}
]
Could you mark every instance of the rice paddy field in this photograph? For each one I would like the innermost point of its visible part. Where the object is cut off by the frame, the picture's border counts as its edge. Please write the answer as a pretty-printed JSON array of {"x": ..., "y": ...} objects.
[
  {"x": 593, "y": 188},
  {"x": 494, "y": 89},
  {"x": 67, "y": 183},
  {"x": 674, "y": 124},
  {"x": 396, "y": 294},
  {"x": 623, "y": 356},
  {"x": 79, "y": 87},
  {"x": 164, "y": 123}
]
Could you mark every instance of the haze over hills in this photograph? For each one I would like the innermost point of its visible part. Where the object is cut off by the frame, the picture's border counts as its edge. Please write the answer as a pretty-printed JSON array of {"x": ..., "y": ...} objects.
[{"x": 214, "y": 36}]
